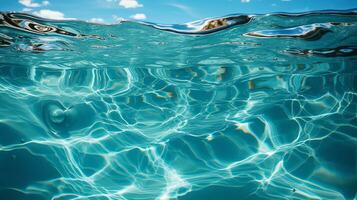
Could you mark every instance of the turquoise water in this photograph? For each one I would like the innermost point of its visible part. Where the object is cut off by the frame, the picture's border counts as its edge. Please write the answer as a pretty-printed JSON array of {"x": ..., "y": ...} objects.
[{"x": 239, "y": 107}]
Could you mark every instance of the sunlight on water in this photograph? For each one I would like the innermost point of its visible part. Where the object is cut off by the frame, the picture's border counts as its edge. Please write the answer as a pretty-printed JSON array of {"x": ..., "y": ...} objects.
[{"x": 244, "y": 106}]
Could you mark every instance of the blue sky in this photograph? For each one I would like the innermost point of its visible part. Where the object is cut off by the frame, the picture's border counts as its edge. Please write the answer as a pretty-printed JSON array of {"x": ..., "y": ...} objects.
[{"x": 163, "y": 11}]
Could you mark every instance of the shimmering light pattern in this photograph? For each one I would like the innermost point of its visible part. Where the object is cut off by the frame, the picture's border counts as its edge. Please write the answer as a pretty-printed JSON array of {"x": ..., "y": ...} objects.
[{"x": 245, "y": 107}]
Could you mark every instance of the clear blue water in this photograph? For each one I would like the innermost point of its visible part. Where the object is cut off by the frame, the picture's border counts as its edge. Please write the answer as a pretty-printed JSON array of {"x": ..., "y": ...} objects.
[{"x": 239, "y": 107}]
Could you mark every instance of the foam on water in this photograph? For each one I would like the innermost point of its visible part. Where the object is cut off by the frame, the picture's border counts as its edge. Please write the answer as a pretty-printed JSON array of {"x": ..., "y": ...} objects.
[{"x": 243, "y": 106}]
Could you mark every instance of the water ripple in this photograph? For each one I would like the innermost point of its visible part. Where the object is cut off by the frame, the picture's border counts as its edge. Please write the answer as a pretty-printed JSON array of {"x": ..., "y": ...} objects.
[{"x": 242, "y": 106}]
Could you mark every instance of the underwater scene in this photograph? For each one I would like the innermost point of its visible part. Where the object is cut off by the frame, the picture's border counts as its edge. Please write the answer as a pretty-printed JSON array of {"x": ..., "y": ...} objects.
[{"x": 260, "y": 106}]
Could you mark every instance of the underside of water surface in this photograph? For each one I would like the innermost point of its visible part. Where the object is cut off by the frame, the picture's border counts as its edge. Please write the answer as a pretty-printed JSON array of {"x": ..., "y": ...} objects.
[{"x": 237, "y": 107}]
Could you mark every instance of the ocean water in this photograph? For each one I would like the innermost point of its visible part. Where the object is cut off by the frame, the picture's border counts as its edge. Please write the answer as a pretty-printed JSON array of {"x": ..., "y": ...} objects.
[{"x": 237, "y": 107}]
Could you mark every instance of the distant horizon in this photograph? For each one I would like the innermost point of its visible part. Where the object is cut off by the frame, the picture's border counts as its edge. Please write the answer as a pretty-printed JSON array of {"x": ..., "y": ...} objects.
[
  {"x": 213, "y": 17},
  {"x": 166, "y": 12}
]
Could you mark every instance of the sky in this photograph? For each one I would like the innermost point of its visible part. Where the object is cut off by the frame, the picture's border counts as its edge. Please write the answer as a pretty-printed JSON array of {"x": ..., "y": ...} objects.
[{"x": 163, "y": 11}]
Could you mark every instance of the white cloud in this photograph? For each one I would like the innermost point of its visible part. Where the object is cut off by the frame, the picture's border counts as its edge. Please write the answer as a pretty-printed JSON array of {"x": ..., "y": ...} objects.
[
  {"x": 130, "y": 4},
  {"x": 29, "y": 3},
  {"x": 139, "y": 16},
  {"x": 97, "y": 20},
  {"x": 245, "y": 1},
  {"x": 27, "y": 9},
  {"x": 50, "y": 14}
]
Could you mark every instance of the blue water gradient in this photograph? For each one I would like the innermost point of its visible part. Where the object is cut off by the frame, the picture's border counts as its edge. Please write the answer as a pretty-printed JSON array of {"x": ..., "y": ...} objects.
[{"x": 239, "y": 107}]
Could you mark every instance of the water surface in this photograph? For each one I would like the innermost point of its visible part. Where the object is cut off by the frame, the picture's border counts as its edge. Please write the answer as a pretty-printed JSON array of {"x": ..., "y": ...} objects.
[{"x": 238, "y": 107}]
